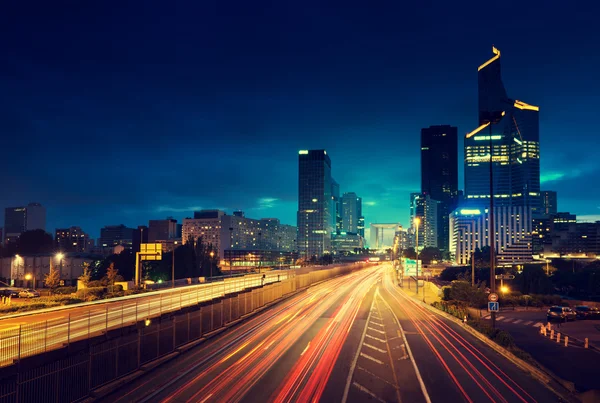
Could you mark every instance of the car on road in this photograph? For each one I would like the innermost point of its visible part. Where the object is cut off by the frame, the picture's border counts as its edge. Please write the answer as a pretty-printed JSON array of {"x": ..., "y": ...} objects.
[
  {"x": 29, "y": 293},
  {"x": 586, "y": 312},
  {"x": 9, "y": 292},
  {"x": 561, "y": 313}
]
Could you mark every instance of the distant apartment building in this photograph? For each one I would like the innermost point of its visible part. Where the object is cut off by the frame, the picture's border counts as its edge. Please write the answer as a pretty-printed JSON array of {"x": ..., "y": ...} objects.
[
  {"x": 72, "y": 239},
  {"x": 423, "y": 207},
  {"x": 20, "y": 219},
  {"x": 113, "y": 235},
  {"x": 205, "y": 224},
  {"x": 162, "y": 230}
]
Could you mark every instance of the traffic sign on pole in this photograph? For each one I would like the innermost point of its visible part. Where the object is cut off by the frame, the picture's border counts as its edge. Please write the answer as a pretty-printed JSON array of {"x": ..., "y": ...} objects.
[
  {"x": 505, "y": 277},
  {"x": 493, "y": 306},
  {"x": 493, "y": 297}
]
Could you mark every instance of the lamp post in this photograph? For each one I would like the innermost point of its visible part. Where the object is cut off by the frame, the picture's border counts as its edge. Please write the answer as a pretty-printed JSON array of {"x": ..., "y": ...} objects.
[
  {"x": 417, "y": 222},
  {"x": 28, "y": 277},
  {"x": 16, "y": 269},
  {"x": 173, "y": 265},
  {"x": 60, "y": 257},
  {"x": 230, "y": 249},
  {"x": 212, "y": 254}
]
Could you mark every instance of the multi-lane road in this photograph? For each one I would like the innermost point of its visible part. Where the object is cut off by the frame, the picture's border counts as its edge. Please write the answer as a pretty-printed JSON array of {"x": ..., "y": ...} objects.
[{"x": 353, "y": 338}]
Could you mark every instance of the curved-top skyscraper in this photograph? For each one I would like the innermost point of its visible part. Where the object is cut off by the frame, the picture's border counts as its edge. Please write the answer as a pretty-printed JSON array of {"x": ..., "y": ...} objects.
[{"x": 515, "y": 144}]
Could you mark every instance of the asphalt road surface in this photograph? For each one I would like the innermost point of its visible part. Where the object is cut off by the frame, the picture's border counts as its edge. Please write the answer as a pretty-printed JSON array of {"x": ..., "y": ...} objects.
[{"x": 354, "y": 338}]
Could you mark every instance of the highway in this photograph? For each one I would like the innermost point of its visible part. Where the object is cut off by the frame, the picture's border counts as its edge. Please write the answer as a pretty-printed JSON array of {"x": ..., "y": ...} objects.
[
  {"x": 28, "y": 334},
  {"x": 350, "y": 339}
]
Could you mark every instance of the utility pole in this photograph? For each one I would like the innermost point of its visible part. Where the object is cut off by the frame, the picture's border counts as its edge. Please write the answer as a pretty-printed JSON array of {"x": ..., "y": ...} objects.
[
  {"x": 417, "y": 222},
  {"x": 173, "y": 267}
]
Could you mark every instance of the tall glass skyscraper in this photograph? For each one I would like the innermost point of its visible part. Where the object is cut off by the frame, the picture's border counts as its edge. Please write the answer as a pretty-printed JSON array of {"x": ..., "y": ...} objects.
[
  {"x": 515, "y": 147},
  {"x": 439, "y": 174},
  {"x": 314, "y": 203}
]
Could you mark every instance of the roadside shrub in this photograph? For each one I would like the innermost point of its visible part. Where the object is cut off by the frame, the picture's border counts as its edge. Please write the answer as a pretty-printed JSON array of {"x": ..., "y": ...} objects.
[
  {"x": 91, "y": 293},
  {"x": 96, "y": 283},
  {"x": 65, "y": 290},
  {"x": 446, "y": 293},
  {"x": 504, "y": 339}
]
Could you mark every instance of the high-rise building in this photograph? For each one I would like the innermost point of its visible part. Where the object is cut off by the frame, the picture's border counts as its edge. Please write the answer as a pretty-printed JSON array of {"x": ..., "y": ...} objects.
[
  {"x": 351, "y": 212},
  {"x": 20, "y": 219},
  {"x": 113, "y": 235},
  {"x": 314, "y": 203},
  {"x": 336, "y": 207},
  {"x": 469, "y": 229},
  {"x": 424, "y": 207},
  {"x": 439, "y": 174},
  {"x": 72, "y": 239},
  {"x": 549, "y": 202},
  {"x": 511, "y": 127},
  {"x": 162, "y": 230}
]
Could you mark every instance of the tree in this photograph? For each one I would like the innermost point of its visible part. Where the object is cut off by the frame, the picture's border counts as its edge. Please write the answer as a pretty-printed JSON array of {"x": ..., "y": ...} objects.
[
  {"x": 86, "y": 275},
  {"x": 52, "y": 278},
  {"x": 429, "y": 254},
  {"x": 533, "y": 280},
  {"x": 111, "y": 275},
  {"x": 409, "y": 253},
  {"x": 35, "y": 242}
]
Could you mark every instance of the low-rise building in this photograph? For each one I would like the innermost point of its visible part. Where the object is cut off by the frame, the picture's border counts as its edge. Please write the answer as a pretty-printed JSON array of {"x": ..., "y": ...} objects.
[{"x": 347, "y": 242}]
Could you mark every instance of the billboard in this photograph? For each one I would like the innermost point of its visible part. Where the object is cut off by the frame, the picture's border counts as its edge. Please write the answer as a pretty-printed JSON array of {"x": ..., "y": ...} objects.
[{"x": 409, "y": 267}]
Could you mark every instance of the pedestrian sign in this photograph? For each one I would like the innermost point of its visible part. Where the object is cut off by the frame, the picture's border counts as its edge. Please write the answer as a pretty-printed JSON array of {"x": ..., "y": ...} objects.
[{"x": 493, "y": 306}]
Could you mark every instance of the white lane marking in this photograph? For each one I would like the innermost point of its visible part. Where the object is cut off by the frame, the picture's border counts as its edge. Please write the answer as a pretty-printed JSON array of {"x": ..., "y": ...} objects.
[
  {"x": 518, "y": 321},
  {"x": 353, "y": 365},
  {"x": 509, "y": 320},
  {"x": 375, "y": 323},
  {"x": 529, "y": 322},
  {"x": 304, "y": 351},
  {"x": 374, "y": 376},
  {"x": 375, "y": 330},
  {"x": 367, "y": 391},
  {"x": 500, "y": 318},
  {"x": 368, "y": 357},
  {"x": 375, "y": 348},
  {"x": 375, "y": 338},
  {"x": 539, "y": 324},
  {"x": 408, "y": 349}
]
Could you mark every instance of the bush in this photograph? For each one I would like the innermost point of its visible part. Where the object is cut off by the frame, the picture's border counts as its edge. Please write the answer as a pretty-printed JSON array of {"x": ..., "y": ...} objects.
[
  {"x": 65, "y": 290},
  {"x": 96, "y": 284},
  {"x": 91, "y": 293},
  {"x": 446, "y": 293},
  {"x": 504, "y": 339}
]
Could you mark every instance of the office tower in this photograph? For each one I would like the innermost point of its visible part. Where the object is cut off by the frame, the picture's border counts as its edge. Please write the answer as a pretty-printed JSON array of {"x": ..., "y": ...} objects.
[
  {"x": 20, "y": 219},
  {"x": 424, "y": 207},
  {"x": 439, "y": 174},
  {"x": 162, "y": 230},
  {"x": 514, "y": 137},
  {"x": 351, "y": 212},
  {"x": 113, "y": 235},
  {"x": 314, "y": 203},
  {"x": 513, "y": 225},
  {"x": 72, "y": 239},
  {"x": 336, "y": 207},
  {"x": 549, "y": 202}
]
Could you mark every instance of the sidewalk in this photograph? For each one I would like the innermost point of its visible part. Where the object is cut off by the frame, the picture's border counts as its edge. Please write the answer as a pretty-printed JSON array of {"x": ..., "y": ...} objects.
[{"x": 430, "y": 290}]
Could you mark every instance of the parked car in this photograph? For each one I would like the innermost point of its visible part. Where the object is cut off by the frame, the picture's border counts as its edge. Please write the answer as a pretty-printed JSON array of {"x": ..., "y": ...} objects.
[
  {"x": 561, "y": 313},
  {"x": 9, "y": 292},
  {"x": 29, "y": 293},
  {"x": 584, "y": 312},
  {"x": 594, "y": 313}
]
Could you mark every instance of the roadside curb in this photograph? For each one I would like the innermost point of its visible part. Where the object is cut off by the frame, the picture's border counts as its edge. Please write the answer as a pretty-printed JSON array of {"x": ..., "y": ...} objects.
[
  {"x": 541, "y": 374},
  {"x": 591, "y": 346}
]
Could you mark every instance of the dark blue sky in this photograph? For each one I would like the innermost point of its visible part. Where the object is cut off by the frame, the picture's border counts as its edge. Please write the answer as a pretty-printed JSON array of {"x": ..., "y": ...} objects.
[{"x": 119, "y": 112}]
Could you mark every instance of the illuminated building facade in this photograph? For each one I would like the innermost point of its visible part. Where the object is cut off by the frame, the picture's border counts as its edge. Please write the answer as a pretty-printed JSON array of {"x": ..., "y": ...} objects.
[
  {"x": 347, "y": 242},
  {"x": 424, "y": 207},
  {"x": 205, "y": 224},
  {"x": 439, "y": 174},
  {"x": 351, "y": 212},
  {"x": 514, "y": 139},
  {"x": 336, "y": 207},
  {"x": 469, "y": 229},
  {"x": 314, "y": 203},
  {"x": 20, "y": 219},
  {"x": 72, "y": 239},
  {"x": 113, "y": 235}
]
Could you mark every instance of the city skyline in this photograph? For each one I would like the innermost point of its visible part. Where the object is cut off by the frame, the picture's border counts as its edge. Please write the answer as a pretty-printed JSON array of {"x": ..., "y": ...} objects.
[{"x": 87, "y": 127}]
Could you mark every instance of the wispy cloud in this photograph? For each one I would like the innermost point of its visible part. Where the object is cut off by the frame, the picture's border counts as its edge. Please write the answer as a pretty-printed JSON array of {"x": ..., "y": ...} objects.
[
  {"x": 266, "y": 202},
  {"x": 370, "y": 203},
  {"x": 575, "y": 172},
  {"x": 170, "y": 209},
  {"x": 551, "y": 177},
  {"x": 588, "y": 217}
]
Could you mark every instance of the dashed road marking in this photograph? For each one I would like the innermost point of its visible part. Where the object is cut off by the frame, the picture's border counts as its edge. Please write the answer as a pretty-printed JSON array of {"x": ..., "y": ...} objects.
[
  {"x": 518, "y": 321},
  {"x": 529, "y": 322},
  {"x": 375, "y": 338},
  {"x": 375, "y": 323},
  {"x": 368, "y": 357},
  {"x": 367, "y": 391},
  {"x": 508, "y": 320},
  {"x": 539, "y": 324},
  {"x": 375, "y": 348},
  {"x": 373, "y": 375},
  {"x": 500, "y": 318},
  {"x": 375, "y": 330}
]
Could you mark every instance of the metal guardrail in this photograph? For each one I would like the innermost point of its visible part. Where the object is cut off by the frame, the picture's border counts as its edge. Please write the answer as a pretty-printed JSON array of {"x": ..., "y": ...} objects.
[{"x": 62, "y": 325}]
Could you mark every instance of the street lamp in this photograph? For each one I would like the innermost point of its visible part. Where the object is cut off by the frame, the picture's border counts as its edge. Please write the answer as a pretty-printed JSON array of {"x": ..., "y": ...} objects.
[
  {"x": 60, "y": 257},
  {"x": 28, "y": 277},
  {"x": 212, "y": 254},
  {"x": 504, "y": 289},
  {"x": 417, "y": 222}
]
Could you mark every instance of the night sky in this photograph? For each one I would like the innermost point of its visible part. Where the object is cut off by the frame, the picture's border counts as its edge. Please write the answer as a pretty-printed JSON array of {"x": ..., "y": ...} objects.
[{"x": 120, "y": 112}]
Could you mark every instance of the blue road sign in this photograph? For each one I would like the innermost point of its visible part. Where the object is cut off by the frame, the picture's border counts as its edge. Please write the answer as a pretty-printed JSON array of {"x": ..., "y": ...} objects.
[{"x": 493, "y": 306}]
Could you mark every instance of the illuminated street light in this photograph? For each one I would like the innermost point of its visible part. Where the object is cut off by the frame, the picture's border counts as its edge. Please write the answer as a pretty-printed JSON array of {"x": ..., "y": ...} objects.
[
  {"x": 60, "y": 256},
  {"x": 212, "y": 254},
  {"x": 504, "y": 289},
  {"x": 417, "y": 222},
  {"x": 28, "y": 276}
]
